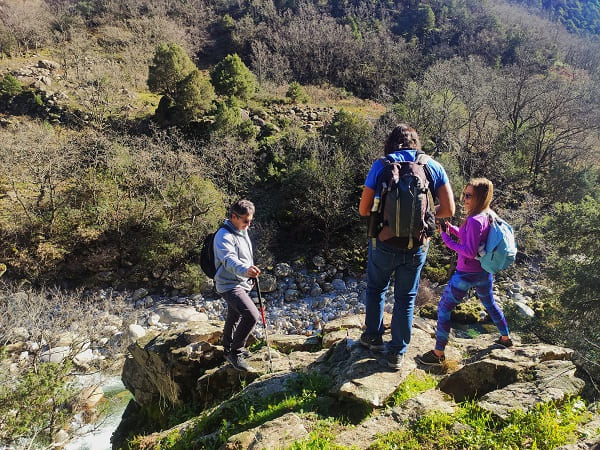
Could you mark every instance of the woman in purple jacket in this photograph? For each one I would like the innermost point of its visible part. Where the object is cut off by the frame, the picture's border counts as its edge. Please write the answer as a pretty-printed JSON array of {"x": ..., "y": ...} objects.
[{"x": 474, "y": 230}]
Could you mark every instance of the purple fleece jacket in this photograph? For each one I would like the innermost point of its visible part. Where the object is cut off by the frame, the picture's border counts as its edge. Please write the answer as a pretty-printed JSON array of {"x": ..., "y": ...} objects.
[{"x": 472, "y": 233}]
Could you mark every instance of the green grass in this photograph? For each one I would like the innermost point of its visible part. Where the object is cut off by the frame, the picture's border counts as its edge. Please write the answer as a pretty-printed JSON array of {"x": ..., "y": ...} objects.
[
  {"x": 301, "y": 395},
  {"x": 321, "y": 437},
  {"x": 545, "y": 427},
  {"x": 411, "y": 386}
]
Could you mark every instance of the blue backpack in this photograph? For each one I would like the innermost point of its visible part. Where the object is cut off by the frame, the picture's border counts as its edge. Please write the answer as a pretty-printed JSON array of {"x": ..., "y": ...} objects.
[{"x": 500, "y": 249}]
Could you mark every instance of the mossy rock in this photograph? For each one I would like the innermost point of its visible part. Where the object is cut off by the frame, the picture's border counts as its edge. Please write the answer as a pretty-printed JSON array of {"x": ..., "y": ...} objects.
[
  {"x": 429, "y": 311},
  {"x": 468, "y": 312}
]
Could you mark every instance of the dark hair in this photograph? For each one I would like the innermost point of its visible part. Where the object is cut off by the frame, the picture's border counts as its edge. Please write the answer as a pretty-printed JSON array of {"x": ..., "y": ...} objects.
[
  {"x": 242, "y": 208},
  {"x": 402, "y": 136}
]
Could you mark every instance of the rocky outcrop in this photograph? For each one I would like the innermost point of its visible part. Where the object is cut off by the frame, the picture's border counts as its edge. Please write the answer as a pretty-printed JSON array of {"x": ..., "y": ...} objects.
[{"x": 186, "y": 366}]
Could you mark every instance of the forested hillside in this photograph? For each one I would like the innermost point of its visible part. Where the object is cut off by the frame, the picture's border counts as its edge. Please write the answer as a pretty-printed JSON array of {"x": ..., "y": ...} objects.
[
  {"x": 576, "y": 15},
  {"x": 127, "y": 126}
]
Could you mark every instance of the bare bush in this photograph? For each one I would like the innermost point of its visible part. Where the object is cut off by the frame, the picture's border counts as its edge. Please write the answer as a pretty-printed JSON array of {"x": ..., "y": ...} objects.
[{"x": 28, "y": 21}]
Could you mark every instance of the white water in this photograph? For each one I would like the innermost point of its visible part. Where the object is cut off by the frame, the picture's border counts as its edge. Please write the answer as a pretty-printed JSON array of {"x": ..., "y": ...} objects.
[{"x": 97, "y": 436}]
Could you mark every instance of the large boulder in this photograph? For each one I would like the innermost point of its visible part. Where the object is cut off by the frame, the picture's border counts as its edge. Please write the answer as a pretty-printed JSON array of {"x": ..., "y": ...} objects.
[{"x": 166, "y": 366}]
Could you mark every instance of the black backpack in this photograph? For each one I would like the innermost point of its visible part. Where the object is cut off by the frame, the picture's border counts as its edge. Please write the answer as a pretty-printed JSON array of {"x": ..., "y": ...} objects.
[
  {"x": 404, "y": 200},
  {"x": 207, "y": 253}
]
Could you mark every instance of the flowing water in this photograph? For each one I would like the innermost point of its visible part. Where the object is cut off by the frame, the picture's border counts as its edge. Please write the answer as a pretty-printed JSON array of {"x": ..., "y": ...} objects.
[{"x": 96, "y": 436}]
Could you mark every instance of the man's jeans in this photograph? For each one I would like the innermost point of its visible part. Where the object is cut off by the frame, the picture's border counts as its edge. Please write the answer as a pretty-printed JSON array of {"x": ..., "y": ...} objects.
[{"x": 383, "y": 260}]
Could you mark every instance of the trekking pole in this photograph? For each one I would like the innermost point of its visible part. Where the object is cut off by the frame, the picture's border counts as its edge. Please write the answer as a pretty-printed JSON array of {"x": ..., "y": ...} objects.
[{"x": 262, "y": 315}]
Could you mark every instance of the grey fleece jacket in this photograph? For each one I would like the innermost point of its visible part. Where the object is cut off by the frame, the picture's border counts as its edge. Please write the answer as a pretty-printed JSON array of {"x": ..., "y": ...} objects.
[{"x": 233, "y": 258}]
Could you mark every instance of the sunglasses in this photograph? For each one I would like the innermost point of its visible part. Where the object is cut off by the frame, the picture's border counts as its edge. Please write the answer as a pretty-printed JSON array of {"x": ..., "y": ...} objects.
[
  {"x": 246, "y": 221},
  {"x": 467, "y": 196}
]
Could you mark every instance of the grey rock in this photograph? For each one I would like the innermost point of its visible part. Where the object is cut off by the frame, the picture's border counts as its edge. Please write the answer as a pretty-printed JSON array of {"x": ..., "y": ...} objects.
[
  {"x": 552, "y": 381},
  {"x": 276, "y": 433},
  {"x": 291, "y": 295},
  {"x": 135, "y": 332},
  {"x": 318, "y": 261},
  {"x": 268, "y": 283},
  {"x": 138, "y": 294},
  {"x": 524, "y": 310},
  {"x": 55, "y": 355},
  {"x": 47, "y": 64},
  {"x": 282, "y": 270},
  {"x": 179, "y": 313},
  {"x": 315, "y": 290},
  {"x": 338, "y": 285}
]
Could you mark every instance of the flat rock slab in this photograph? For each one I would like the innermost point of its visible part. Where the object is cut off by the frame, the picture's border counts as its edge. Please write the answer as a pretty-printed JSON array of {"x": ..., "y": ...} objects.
[
  {"x": 288, "y": 343},
  {"x": 274, "y": 434},
  {"x": 365, "y": 433},
  {"x": 365, "y": 377},
  {"x": 179, "y": 313}
]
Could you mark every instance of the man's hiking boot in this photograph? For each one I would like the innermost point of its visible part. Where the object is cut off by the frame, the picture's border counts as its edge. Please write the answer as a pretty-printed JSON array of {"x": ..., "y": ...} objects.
[
  {"x": 238, "y": 362},
  {"x": 394, "y": 360},
  {"x": 504, "y": 343},
  {"x": 431, "y": 359},
  {"x": 373, "y": 343},
  {"x": 245, "y": 353}
]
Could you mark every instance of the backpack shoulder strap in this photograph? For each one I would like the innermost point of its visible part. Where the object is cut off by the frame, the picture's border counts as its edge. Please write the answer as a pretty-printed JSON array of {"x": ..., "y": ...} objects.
[
  {"x": 422, "y": 157},
  {"x": 227, "y": 227}
]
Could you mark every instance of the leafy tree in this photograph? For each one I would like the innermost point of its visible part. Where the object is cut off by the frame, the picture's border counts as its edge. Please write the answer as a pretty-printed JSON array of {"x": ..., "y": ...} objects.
[
  {"x": 354, "y": 136},
  {"x": 194, "y": 96},
  {"x": 170, "y": 66},
  {"x": 39, "y": 398},
  {"x": 322, "y": 190},
  {"x": 232, "y": 78},
  {"x": 574, "y": 230}
]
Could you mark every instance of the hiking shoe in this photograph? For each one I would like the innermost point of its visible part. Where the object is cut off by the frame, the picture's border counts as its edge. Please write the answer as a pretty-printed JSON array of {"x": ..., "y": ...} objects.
[
  {"x": 431, "y": 359},
  {"x": 245, "y": 353},
  {"x": 238, "y": 362},
  {"x": 373, "y": 343},
  {"x": 507, "y": 343},
  {"x": 394, "y": 360}
]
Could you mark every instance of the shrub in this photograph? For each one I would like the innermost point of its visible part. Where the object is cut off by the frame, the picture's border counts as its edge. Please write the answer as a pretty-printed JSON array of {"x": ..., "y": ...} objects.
[
  {"x": 10, "y": 86},
  {"x": 296, "y": 93},
  {"x": 35, "y": 404},
  {"x": 232, "y": 78}
]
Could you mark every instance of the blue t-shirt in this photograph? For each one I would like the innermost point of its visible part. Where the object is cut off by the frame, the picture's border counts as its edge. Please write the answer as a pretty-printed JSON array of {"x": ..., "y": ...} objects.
[{"x": 438, "y": 174}]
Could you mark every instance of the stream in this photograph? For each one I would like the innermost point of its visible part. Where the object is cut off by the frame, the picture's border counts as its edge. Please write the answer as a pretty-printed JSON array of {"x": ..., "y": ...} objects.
[{"x": 96, "y": 436}]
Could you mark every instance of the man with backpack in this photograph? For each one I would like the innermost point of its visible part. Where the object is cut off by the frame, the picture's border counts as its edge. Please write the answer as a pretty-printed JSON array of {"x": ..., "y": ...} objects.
[
  {"x": 234, "y": 268},
  {"x": 398, "y": 198}
]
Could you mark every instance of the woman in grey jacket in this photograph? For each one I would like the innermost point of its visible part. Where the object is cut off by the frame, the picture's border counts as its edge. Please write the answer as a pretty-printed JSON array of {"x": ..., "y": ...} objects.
[{"x": 235, "y": 267}]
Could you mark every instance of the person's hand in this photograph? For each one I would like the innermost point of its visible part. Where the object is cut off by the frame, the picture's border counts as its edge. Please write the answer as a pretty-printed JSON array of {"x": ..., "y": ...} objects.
[
  {"x": 253, "y": 272},
  {"x": 441, "y": 225}
]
